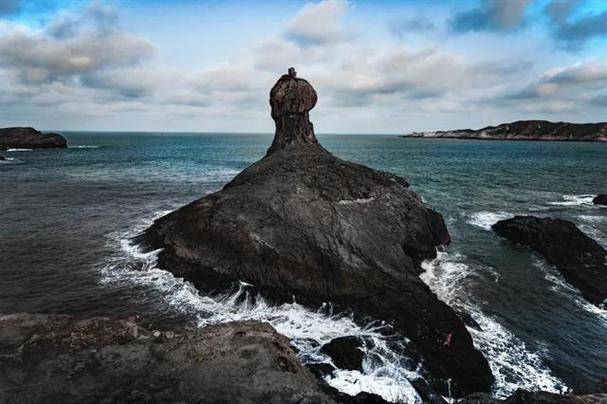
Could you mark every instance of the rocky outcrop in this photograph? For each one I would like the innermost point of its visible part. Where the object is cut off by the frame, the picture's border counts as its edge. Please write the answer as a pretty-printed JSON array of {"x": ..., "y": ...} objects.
[
  {"x": 30, "y": 138},
  {"x": 527, "y": 130},
  {"x": 61, "y": 359},
  {"x": 579, "y": 258},
  {"x": 302, "y": 222},
  {"x": 536, "y": 397},
  {"x": 600, "y": 199},
  {"x": 345, "y": 352}
]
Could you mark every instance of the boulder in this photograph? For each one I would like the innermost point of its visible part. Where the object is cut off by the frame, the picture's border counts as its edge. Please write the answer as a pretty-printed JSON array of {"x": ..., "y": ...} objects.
[
  {"x": 302, "y": 222},
  {"x": 61, "y": 359},
  {"x": 580, "y": 259},
  {"x": 600, "y": 199},
  {"x": 30, "y": 138},
  {"x": 345, "y": 352}
]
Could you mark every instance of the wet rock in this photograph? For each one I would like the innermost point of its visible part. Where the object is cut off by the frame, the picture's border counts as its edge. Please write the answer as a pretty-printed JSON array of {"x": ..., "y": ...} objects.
[
  {"x": 580, "y": 259},
  {"x": 302, "y": 222},
  {"x": 320, "y": 370},
  {"x": 600, "y": 199},
  {"x": 30, "y": 138},
  {"x": 426, "y": 393},
  {"x": 345, "y": 352},
  {"x": 536, "y": 397},
  {"x": 468, "y": 320},
  {"x": 60, "y": 359}
]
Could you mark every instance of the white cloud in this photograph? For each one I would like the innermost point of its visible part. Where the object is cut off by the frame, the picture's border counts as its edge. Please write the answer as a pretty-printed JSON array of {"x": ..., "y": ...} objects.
[{"x": 319, "y": 24}]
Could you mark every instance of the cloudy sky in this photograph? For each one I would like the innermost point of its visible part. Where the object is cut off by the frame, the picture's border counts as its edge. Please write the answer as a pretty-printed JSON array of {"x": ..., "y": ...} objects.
[{"x": 378, "y": 66}]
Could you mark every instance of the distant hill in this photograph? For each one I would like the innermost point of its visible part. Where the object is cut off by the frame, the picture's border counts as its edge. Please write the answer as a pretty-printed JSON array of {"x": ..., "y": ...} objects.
[{"x": 527, "y": 130}]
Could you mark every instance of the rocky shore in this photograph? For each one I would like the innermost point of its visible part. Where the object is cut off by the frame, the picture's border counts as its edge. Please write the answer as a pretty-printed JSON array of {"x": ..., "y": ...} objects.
[
  {"x": 30, "y": 138},
  {"x": 62, "y": 359},
  {"x": 580, "y": 259},
  {"x": 302, "y": 222},
  {"x": 526, "y": 130}
]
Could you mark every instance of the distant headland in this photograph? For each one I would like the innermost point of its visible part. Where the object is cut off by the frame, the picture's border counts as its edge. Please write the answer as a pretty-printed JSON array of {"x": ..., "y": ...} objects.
[
  {"x": 30, "y": 138},
  {"x": 526, "y": 130}
]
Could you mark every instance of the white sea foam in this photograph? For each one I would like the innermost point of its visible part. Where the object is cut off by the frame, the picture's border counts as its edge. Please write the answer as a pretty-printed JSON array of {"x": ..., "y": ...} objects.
[
  {"x": 485, "y": 220},
  {"x": 18, "y": 150},
  {"x": 513, "y": 365},
  {"x": 9, "y": 160},
  {"x": 575, "y": 200},
  {"x": 561, "y": 286},
  {"x": 386, "y": 367},
  {"x": 83, "y": 147}
]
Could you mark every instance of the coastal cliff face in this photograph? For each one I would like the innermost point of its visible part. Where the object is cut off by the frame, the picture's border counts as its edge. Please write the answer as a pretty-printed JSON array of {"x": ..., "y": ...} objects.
[
  {"x": 527, "y": 130},
  {"x": 581, "y": 260},
  {"x": 61, "y": 359},
  {"x": 30, "y": 138},
  {"x": 301, "y": 222}
]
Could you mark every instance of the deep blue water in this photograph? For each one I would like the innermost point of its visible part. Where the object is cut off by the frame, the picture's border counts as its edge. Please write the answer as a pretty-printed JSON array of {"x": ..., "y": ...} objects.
[{"x": 65, "y": 216}]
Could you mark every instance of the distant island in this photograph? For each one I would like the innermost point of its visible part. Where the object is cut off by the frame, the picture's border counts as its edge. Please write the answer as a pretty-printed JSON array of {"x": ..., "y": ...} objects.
[
  {"x": 30, "y": 138},
  {"x": 526, "y": 130}
]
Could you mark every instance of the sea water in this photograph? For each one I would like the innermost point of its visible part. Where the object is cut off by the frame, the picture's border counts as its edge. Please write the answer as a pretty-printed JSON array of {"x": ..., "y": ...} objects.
[{"x": 67, "y": 218}]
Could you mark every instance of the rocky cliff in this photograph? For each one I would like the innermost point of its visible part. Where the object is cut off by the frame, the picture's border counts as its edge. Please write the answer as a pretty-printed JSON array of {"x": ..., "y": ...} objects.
[
  {"x": 526, "y": 130},
  {"x": 302, "y": 222},
  {"x": 29, "y": 138}
]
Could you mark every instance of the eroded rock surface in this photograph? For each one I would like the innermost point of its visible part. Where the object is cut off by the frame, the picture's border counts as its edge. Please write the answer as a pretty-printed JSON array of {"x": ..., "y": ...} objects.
[
  {"x": 600, "y": 199},
  {"x": 579, "y": 258},
  {"x": 30, "y": 138},
  {"x": 60, "y": 359},
  {"x": 302, "y": 222}
]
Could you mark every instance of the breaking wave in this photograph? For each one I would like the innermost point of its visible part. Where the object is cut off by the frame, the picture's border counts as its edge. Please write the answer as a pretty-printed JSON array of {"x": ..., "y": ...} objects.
[
  {"x": 514, "y": 366},
  {"x": 575, "y": 200},
  {"x": 18, "y": 150},
  {"x": 485, "y": 220},
  {"x": 387, "y": 368}
]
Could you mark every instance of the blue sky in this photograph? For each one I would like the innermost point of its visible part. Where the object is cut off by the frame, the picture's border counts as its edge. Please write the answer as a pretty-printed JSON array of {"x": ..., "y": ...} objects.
[{"x": 378, "y": 66}]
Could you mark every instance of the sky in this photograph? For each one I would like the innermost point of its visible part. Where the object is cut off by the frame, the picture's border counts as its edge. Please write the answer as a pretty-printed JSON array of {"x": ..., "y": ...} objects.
[{"x": 377, "y": 66}]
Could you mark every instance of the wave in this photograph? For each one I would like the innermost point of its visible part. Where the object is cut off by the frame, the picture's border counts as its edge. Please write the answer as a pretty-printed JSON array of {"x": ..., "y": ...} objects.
[
  {"x": 10, "y": 160},
  {"x": 514, "y": 366},
  {"x": 387, "y": 366},
  {"x": 18, "y": 150},
  {"x": 485, "y": 219},
  {"x": 83, "y": 147},
  {"x": 575, "y": 200}
]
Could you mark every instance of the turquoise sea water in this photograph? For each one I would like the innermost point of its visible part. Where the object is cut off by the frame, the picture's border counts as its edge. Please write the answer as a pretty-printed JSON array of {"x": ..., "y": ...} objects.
[{"x": 67, "y": 215}]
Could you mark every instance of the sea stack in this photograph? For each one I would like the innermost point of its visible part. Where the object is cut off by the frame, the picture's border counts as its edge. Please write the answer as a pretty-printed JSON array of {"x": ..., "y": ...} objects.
[
  {"x": 30, "y": 138},
  {"x": 301, "y": 222},
  {"x": 600, "y": 199}
]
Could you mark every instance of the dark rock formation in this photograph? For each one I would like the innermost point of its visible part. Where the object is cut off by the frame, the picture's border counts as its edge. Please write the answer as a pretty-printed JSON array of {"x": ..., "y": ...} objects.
[
  {"x": 60, "y": 359},
  {"x": 30, "y": 138},
  {"x": 303, "y": 222},
  {"x": 579, "y": 258},
  {"x": 345, "y": 352},
  {"x": 536, "y": 397},
  {"x": 600, "y": 199},
  {"x": 2, "y": 157},
  {"x": 527, "y": 130}
]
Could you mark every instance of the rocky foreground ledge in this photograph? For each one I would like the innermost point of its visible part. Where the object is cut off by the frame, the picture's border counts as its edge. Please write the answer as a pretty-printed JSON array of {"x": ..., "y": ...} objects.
[
  {"x": 526, "y": 130},
  {"x": 30, "y": 138},
  {"x": 61, "y": 359},
  {"x": 302, "y": 222},
  {"x": 581, "y": 260}
]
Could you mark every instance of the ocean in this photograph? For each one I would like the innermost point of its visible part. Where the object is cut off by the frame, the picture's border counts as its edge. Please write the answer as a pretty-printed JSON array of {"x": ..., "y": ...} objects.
[{"x": 67, "y": 217}]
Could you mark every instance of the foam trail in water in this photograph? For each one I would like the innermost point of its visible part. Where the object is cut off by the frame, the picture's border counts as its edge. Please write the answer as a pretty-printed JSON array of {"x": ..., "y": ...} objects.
[
  {"x": 386, "y": 366},
  {"x": 18, "y": 150},
  {"x": 513, "y": 365},
  {"x": 575, "y": 200},
  {"x": 82, "y": 147},
  {"x": 485, "y": 220}
]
